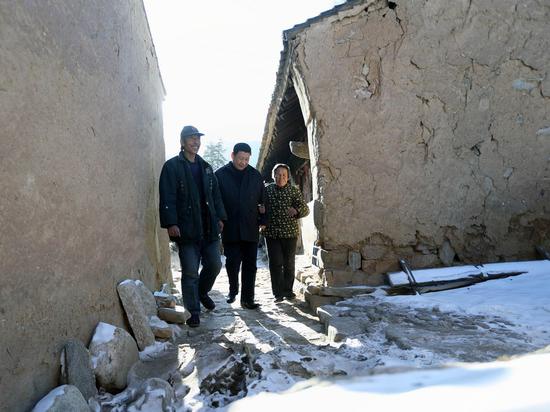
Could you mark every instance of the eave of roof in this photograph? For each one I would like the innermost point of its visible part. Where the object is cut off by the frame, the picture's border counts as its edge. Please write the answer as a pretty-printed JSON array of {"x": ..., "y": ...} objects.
[{"x": 283, "y": 71}]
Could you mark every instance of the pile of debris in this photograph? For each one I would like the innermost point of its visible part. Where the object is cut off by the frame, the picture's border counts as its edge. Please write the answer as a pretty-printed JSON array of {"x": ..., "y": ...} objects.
[{"x": 114, "y": 359}]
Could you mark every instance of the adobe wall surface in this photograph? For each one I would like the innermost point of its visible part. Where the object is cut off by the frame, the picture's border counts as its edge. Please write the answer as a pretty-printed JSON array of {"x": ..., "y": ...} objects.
[
  {"x": 430, "y": 129},
  {"x": 81, "y": 150}
]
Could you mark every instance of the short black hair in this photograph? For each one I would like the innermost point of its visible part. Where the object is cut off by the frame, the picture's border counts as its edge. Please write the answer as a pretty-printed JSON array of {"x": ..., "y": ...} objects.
[{"x": 242, "y": 147}]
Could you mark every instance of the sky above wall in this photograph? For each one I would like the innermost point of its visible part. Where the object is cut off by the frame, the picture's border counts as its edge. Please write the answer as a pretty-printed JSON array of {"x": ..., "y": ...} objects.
[{"x": 219, "y": 60}]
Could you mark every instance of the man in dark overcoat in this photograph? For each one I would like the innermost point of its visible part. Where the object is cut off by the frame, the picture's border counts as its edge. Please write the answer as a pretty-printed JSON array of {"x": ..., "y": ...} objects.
[{"x": 242, "y": 191}]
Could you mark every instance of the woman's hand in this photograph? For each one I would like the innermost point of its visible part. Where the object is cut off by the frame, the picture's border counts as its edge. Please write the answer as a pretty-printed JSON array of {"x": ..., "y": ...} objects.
[{"x": 292, "y": 212}]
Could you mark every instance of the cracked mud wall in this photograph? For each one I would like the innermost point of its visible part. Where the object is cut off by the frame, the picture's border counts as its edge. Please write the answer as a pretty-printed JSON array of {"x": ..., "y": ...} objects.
[
  {"x": 432, "y": 129},
  {"x": 81, "y": 150}
]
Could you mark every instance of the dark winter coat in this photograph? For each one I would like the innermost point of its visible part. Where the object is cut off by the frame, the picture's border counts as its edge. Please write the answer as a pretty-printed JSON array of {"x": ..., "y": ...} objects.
[
  {"x": 180, "y": 204},
  {"x": 241, "y": 203},
  {"x": 279, "y": 199}
]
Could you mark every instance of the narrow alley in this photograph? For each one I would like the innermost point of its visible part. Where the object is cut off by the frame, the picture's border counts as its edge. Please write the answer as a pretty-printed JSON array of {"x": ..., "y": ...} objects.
[{"x": 238, "y": 352}]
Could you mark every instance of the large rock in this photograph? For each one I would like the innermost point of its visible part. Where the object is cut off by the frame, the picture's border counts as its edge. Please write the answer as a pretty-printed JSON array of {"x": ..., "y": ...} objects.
[
  {"x": 354, "y": 259},
  {"x": 113, "y": 352},
  {"x": 314, "y": 301},
  {"x": 160, "y": 328},
  {"x": 337, "y": 258},
  {"x": 165, "y": 300},
  {"x": 341, "y": 321},
  {"x": 176, "y": 315},
  {"x": 147, "y": 299},
  {"x": 327, "y": 312},
  {"x": 76, "y": 368},
  {"x": 339, "y": 328},
  {"x": 130, "y": 295},
  {"x": 64, "y": 398},
  {"x": 372, "y": 252},
  {"x": 345, "y": 292},
  {"x": 158, "y": 395},
  {"x": 447, "y": 253}
]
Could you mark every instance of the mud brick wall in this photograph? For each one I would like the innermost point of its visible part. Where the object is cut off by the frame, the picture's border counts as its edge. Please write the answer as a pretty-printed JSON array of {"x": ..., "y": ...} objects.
[
  {"x": 81, "y": 149},
  {"x": 430, "y": 127}
]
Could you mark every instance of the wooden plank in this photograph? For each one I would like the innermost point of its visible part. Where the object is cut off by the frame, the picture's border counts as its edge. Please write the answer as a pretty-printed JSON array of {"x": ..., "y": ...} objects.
[
  {"x": 439, "y": 275},
  {"x": 458, "y": 276}
]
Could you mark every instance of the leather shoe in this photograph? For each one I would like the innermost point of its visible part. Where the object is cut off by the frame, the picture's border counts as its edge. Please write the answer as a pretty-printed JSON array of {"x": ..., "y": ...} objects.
[
  {"x": 279, "y": 298},
  {"x": 207, "y": 302},
  {"x": 193, "y": 321},
  {"x": 291, "y": 296},
  {"x": 250, "y": 305},
  {"x": 230, "y": 298}
]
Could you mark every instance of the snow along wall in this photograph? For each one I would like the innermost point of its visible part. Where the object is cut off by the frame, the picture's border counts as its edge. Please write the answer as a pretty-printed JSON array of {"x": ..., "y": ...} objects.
[
  {"x": 81, "y": 150},
  {"x": 429, "y": 130}
]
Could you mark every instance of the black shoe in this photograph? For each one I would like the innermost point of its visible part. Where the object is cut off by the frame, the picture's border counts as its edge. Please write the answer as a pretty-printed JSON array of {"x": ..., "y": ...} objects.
[
  {"x": 250, "y": 305},
  {"x": 230, "y": 298},
  {"x": 291, "y": 296},
  {"x": 207, "y": 302},
  {"x": 193, "y": 321},
  {"x": 279, "y": 299}
]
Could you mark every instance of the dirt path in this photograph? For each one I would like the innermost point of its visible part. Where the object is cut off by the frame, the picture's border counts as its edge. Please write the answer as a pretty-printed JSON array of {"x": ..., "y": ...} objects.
[{"x": 237, "y": 352}]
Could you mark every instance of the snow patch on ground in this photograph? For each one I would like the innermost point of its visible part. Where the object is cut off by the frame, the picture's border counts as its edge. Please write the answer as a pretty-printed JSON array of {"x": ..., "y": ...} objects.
[
  {"x": 417, "y": 340},
  {"x": 515, "y": 385},
  {"x": 156, "y": 350}
]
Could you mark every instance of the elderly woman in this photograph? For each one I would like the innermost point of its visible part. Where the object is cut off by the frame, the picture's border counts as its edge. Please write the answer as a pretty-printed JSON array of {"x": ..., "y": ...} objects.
[{"x": 285, "y": 205}]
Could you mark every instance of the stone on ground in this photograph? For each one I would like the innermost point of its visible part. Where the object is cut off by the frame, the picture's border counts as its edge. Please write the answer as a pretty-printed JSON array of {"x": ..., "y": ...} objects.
[
  {"x": 346, "y": 292},
  {"x": 113, "y": 352},
  {"x": 158, "y": 395},
  {"x": 147, "y": 299},
  {"x": 339, "y": 328},
  {"x": 130, "y": 296},
  {"x": 174, "y": 315},
  {"x": 62, "y": 399},
  {"x": 76, "y": 368},
  {"x": 160, "y": 328},
  {"x": 314, "y": 301},
  {"x": 165, "y": 300},
  {"x": 340, "y": 322}
]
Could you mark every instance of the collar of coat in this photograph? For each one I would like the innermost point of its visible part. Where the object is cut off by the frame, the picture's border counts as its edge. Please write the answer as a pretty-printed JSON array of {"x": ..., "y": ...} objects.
[{"x": 204, "y": 164}]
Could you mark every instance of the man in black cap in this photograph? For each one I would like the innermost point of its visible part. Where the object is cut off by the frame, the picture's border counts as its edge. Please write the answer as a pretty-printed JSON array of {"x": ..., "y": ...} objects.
[
  {"x": 242, "y": 191},
  {"x": 192, "y": 211}
]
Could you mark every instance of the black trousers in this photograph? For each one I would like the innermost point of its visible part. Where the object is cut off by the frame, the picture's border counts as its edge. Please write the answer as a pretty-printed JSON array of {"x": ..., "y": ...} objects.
[
  {"x": 237, "y": 253},
  {"x": 281, "y": 254}
]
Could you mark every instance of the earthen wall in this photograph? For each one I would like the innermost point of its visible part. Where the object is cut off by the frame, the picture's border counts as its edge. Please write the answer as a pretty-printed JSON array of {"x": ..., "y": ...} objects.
[{"x": 80, "y": 152}]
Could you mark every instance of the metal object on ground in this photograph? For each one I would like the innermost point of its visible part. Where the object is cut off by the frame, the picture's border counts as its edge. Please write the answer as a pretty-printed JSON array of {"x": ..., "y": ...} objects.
[{"x": 405, "y": 266}]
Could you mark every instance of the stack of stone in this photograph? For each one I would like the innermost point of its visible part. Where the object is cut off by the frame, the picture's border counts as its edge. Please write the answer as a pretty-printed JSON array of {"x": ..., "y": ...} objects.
[
  {"x": 113, "y": 352},
  {"x": 317, "y": 295},
  {"x": 347, "y": 268}
]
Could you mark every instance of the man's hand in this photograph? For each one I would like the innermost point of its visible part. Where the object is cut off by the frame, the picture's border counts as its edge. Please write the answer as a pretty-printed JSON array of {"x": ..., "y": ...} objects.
[
  {"x": 262, "y": 228},
  {"x": 292, "y": 212},
  {"x": 220, "y": 226},
  {"x": 261, "y": 209},
  {"x": 174, "y": 231}
]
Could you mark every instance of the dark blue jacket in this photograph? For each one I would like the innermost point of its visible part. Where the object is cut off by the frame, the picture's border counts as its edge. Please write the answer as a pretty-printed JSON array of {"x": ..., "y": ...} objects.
[
  {"x": 180, "y": 204},
  {"x": 241, "y": 203}
]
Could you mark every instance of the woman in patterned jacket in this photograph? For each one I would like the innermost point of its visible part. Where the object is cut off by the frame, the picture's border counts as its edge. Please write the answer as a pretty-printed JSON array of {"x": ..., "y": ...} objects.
[{"x": 285, "y": 205}]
